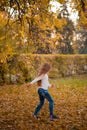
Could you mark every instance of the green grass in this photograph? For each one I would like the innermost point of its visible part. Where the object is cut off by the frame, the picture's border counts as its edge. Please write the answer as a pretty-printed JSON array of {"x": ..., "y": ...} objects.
[
  {"x": 72, "y": 82},
  {"x": 17, "y": 105}
]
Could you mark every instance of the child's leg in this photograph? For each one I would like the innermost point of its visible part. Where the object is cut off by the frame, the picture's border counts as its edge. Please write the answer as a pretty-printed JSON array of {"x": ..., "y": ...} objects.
[
  {"x": 41, "y": 97},
  {"x": 51, "y": 102}
]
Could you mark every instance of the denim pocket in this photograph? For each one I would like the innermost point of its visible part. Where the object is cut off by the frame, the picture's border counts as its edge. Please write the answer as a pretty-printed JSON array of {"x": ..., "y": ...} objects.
[{"x": 42, "y": 91}]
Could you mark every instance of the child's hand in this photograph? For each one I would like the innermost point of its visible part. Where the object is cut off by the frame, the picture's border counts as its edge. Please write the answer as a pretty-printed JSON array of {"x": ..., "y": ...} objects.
[
  {"x": 52, "y": 85},
  {"x": 27, "y": 85}
]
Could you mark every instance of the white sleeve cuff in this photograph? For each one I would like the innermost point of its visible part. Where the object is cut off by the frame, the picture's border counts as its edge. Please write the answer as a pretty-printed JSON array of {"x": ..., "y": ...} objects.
[
  {"x": 50, "y": 85},
  {"x": 37, "y": 79}
]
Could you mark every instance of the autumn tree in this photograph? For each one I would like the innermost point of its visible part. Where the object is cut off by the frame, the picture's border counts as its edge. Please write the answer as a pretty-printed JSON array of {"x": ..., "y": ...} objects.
[
  {"x": 30, "y": 26},
  {"x": 81, "y": 6},
  {"x": 81, "y": 28},
  {"x": 65, "y": 43}
]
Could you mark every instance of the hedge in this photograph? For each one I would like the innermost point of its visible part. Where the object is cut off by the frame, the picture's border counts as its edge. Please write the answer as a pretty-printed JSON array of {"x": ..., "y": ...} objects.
[{"x": 23, "y": 68}]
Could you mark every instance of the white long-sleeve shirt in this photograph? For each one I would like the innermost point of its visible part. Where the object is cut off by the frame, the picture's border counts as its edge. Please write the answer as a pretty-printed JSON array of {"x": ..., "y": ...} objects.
[{"x": 44, "y": 81}]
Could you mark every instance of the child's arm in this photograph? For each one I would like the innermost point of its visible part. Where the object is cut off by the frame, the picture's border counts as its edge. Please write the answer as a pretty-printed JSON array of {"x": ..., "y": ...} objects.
[
  {"x": 27, "y": 85},
  {"x": 35, "y": 80},
  {"x": 51, "y": 85}
]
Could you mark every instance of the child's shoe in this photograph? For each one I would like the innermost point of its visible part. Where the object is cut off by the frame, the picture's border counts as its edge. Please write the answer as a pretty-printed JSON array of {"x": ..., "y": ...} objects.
[
  {"x": 36, "y": 117},
  {"x": 53, "y": 117}
]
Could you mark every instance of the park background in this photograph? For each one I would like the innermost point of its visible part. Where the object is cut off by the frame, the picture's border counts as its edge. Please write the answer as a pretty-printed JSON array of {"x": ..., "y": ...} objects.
[{"x": 33, "y": 32}]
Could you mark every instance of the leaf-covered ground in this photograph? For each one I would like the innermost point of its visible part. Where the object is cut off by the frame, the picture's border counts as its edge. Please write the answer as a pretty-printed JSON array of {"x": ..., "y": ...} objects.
[{"x": 17, "y": 105}]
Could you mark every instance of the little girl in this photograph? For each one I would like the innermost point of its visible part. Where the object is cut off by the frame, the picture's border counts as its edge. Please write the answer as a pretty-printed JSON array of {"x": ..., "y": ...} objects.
[{"x": 43, "y": 93}]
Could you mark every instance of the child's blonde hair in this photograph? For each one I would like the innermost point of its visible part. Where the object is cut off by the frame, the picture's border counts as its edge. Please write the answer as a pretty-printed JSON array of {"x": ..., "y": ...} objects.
[{"x": 45, "y": 68}]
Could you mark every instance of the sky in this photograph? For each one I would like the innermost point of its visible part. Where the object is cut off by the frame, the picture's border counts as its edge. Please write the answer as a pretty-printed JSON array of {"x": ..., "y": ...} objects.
[
  {"x": 55, "y": 6},
  {"x": 73, "y": 13}
]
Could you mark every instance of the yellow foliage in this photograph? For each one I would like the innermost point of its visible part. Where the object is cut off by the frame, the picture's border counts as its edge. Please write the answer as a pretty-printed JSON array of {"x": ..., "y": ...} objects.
[
  {"x": 61, "y": 1},
  {"x": 17, "y": 104},
  {"x": 2, "y": 38},
  {"x": 83, "y": 19}
]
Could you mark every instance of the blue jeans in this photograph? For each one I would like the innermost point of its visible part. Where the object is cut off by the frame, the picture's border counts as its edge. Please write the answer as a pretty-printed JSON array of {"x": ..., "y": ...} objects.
[{"x": 43, "y": 94}]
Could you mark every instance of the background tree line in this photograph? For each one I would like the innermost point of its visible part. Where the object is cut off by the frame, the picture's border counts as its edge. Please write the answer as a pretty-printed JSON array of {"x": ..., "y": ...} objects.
[{"x": 28, "y": 26}]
